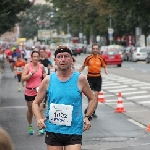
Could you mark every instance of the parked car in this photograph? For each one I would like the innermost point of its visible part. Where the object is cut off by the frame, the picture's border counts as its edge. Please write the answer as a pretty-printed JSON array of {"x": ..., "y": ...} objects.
[
  {"x": 140, "y": 54},
  {"x": 147, "y": 60},
  {"x": 102, "y": 48},
  {"x": 78, "y": 49},
  {"x": 112, "y": 57},
  {"x": 83, "y": 47},
  {"x": 71, "y": 46}
]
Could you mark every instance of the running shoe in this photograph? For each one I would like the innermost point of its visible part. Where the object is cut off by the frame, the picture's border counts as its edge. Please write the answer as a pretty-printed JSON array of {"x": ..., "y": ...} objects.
[
  {"x": 41, "y": 131},
  {"x": 19, "y": 89},
  {"x": 23, "y": 84},
  {"x": 30, "y": 130}
]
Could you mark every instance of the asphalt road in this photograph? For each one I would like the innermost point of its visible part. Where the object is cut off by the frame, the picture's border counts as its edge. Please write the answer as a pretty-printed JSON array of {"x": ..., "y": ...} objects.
[{"x": 110, "y": 131}]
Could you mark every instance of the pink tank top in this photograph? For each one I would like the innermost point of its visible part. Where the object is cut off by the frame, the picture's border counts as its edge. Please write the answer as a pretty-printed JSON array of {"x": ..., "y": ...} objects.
[{"x": 34, "y": 81}]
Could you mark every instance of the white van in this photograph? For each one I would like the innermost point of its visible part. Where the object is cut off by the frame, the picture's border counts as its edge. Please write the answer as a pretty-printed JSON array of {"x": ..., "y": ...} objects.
[{"x": 140, "y": 54}]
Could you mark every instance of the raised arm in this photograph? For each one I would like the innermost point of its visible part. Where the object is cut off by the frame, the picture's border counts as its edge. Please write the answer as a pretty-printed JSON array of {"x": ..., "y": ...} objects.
[{"x": 26, "y": 74}]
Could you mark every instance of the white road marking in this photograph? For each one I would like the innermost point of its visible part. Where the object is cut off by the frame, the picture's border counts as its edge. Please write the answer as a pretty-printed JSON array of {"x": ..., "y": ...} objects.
[
  {"x": 115, "y": 87},
  {"x": 108, "y": 95},
  {"x": 137, "y": 97},
  {"x": 144, "y": 102},
  {"x": 111, "y": 84},
  {"x": 120, "y": 90},
  {"x": 116, "y": 103},
  {"x": 138, "y": 85},
  {"x": 135, "y": 111},
  {"x": 136, "y": 123},
  {"x": 129, "y": 93},
  {"x": 144, "y": 87}
]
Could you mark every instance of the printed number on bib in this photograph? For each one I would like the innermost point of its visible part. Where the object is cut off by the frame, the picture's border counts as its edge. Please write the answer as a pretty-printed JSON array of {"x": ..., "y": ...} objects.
[
  {"x": 60, "y": 114},
  {"x": 19, "y": 69}
]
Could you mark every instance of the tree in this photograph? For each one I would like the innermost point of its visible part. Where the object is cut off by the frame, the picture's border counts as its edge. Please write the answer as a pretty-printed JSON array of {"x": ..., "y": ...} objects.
[
  {"x": 89, "y": 17},
  {"x": 9, "y": 10},
  {"x": 125, "y": 15},
  {"x": 31, "y": 17}
]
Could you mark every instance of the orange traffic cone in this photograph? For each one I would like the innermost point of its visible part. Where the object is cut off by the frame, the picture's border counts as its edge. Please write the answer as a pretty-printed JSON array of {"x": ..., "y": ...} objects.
[
  {"x": 101, "y": 97},
  {"x": 148, "y": 128},
  {"x": 120, "y": 107}
]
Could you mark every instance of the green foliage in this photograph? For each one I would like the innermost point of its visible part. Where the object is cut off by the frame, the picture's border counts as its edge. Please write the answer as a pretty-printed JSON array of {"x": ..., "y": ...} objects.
[
  {"x": 125, "y": 15},
  {"x": 29, "y": 20},
  {"x": 9, "y": 10}
]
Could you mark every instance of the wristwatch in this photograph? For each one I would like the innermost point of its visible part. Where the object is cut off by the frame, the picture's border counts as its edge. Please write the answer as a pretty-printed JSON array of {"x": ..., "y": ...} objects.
[
  {"x": 89, "y": 117},
  {"x": 31, "y": 74}
]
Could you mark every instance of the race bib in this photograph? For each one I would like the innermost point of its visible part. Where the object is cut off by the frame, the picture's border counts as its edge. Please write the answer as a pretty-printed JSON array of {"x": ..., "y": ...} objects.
[
  {"x": 15, "y": 59},
  {"x": 46, "y": 69},
  {"x": 60, "y": 114},
  {"x": 19, "y": 69},
  {"x": 10, "y": 57}
]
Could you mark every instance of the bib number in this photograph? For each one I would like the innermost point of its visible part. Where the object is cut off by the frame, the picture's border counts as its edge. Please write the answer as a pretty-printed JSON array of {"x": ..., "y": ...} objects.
[
  {"x": 60, "y": 114},
  {"x": 19, "y": 69}
]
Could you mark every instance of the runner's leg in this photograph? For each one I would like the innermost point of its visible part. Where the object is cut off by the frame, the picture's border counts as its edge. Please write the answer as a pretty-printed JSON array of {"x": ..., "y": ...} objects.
[
  {"x": 29, "y": 112},
  {"x": 49, "y": 147}
]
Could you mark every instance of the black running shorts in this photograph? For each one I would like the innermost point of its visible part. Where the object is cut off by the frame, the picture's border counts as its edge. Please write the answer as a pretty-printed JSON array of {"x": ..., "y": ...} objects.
[
  {"x": 57, "y": 139},
  {"x": 29, "y": 98},
  {"x": 95, "y": 83},
  {"x": 19, "y": 77}
]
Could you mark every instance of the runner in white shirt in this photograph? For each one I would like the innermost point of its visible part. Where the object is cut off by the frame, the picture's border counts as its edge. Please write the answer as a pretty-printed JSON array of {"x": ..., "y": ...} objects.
[
  {"x": 27, "y": 55},
  {"x": 2, "y": 60}
]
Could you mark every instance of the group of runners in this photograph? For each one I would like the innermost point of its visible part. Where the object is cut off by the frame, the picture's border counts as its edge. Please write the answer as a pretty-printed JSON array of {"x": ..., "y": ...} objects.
[{"x": 63, "y": 90}]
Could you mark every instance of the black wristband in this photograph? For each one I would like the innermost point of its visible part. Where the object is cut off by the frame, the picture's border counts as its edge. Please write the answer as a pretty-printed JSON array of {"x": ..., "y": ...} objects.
[{"x": 89, "y": 117}]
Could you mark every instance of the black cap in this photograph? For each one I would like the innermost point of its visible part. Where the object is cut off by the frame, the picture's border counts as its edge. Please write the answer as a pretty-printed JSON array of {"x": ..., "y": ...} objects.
[{"x": 63, "y": 49}]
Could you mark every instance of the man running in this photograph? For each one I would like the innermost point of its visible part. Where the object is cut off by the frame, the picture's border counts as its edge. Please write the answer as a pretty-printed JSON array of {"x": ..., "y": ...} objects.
[
  {"x": 18, "y": 67},
  {"x": 2, "y": 60},
  {"x": 64, "y": 119},
  {"x": 45, "y": 61},
  {"x": 27, "y": 55},
  {"x": 94, "y": 62}
]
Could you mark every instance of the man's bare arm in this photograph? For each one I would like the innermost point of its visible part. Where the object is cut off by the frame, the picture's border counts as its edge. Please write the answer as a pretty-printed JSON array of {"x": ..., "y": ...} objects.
[
  {"x": 81, "y": 69},
  {"x": 106, "y": 72},
  {"x": 92, "y": 101}
]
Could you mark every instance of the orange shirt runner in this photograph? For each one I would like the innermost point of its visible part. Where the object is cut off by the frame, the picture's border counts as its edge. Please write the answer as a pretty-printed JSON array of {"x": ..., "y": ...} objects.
[
  {"x": 19, "y": 64},
  {"x": 94, "y": 64}
]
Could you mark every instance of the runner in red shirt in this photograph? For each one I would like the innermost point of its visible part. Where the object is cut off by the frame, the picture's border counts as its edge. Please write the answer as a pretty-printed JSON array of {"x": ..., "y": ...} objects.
[{"x": 18, "y": 67}]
